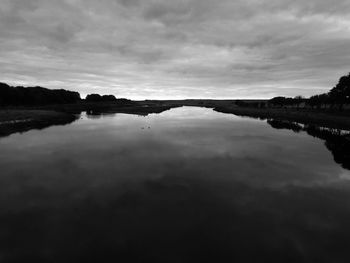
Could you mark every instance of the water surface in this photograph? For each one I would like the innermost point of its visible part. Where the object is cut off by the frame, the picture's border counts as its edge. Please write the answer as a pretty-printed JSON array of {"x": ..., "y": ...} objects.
[{"x": 186, "y": 185}]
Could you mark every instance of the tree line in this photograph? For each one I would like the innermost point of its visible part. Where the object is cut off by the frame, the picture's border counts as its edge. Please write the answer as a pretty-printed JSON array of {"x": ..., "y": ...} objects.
[
  {"x": 337, "y": 97},
  {"x": 30, "y": 96}
]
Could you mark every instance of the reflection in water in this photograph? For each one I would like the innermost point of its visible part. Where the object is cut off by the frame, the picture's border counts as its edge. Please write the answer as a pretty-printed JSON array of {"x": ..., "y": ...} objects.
[
  {"x": 38, "y": 122},
  {"x": 197, "y": 186},
  {"x": 336, "y": 141}
]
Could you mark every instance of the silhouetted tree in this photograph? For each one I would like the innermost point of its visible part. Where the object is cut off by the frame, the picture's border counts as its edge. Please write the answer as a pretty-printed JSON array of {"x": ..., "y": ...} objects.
[
  {"x": 318, "y": 100},
  {"x": 93, "y": 98},
  {"x": 99, "y": 98},
  {"x": 340, "y": 94},
  {"x": 35, "y": 96},
  {"x": 108, "y": 98},
  {"x": 281, "y": 101}
]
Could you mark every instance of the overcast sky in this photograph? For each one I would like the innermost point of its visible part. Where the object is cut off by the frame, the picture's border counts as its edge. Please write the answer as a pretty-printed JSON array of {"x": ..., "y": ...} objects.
[{"x": 176, "y": 48}]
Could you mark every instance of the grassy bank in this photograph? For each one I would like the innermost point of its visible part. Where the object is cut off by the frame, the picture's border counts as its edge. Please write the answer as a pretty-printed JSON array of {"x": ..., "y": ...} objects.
[{"x": 337, "y": 120}]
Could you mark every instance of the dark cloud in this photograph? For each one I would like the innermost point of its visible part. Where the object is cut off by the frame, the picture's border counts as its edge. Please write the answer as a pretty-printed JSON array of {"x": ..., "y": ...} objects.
[{"x": 178, "y": 48}]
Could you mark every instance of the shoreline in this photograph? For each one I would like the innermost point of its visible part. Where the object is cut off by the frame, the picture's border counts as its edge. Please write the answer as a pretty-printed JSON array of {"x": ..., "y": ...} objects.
[
  {"x": 304, "y": 116},
  {"x": 21, "y": 119}
]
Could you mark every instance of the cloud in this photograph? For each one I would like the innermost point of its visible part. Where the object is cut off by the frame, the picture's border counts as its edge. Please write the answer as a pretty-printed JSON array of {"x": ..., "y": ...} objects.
[{"x": 176, "y": 49}]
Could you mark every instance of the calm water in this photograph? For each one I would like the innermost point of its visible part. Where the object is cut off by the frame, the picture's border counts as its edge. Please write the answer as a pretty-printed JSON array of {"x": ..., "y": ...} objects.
[{"x": 186, "y": 185}]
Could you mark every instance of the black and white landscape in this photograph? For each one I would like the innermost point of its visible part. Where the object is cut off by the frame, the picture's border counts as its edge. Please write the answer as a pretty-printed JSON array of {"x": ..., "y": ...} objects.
[{"x": 174, "y": 131}]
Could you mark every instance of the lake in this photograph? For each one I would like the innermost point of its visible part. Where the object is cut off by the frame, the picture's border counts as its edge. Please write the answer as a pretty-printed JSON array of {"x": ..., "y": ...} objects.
[{"x": 186, "y": 185}]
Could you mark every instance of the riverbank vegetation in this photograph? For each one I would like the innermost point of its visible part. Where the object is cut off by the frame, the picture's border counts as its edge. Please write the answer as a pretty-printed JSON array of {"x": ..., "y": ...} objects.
[
  {"x": 335, "y": 99},
  {"x": 24, "y": 108},
  {"x": 331, "y": 109}
]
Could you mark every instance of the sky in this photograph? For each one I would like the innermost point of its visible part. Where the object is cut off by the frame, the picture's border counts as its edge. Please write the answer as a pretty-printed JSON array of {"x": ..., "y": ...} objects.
[{"x": 175, "y": 49}]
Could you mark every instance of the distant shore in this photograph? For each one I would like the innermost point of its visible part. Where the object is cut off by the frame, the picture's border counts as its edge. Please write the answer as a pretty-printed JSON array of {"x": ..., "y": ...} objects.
[{"x": 21, "y": 119}]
